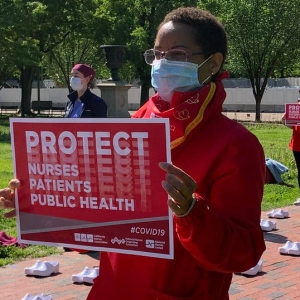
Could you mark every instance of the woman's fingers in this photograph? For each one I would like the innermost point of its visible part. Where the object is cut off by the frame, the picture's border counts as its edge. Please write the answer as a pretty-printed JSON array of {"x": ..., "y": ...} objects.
[
  {"x": 180, "y": 186},
  {"x": 6, "y": 193},
  {"x": 14, "y": 183},
  {"x": 6, "y": 203},
  {"x": 7, "y": 198},
  {"x": 183, "y": 177}
]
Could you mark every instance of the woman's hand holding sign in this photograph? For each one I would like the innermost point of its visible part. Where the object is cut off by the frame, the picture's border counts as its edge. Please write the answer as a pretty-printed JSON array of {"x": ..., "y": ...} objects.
[
  {"x": 7, "y": 198},
  {"x": 181, "y": 187}
]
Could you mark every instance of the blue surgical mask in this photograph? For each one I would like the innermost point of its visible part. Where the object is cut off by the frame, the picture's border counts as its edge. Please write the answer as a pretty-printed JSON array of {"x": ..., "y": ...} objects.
[
  {"x": 76, "y": 84},
  {"x": 169, "y": 76}
]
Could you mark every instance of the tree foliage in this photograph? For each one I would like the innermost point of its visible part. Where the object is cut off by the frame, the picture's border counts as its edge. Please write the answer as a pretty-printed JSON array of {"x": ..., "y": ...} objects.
[
  {"x": 263, "y": 39},
  {"x": 34, "y": 28}
]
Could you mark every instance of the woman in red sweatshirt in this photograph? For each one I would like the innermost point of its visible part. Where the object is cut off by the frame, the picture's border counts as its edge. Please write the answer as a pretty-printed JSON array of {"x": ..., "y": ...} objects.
[
  {"x": 216, "y": 178},
  {"x": 217, "y": 184}
]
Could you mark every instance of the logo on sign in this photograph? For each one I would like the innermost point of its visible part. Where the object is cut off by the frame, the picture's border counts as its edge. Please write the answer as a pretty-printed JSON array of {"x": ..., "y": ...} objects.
[
  {"x": 150, "y": 244},
  {"x": 82, "y": 237},
  {"x": 116, "y": 240}
]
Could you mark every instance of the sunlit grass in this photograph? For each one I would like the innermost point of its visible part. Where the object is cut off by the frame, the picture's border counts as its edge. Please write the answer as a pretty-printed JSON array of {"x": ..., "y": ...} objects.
[{"x": 275, "y": 139}]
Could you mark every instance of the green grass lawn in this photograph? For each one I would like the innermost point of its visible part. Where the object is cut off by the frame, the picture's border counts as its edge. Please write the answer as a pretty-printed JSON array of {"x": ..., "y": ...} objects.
[{"x": 273, "y": 137}]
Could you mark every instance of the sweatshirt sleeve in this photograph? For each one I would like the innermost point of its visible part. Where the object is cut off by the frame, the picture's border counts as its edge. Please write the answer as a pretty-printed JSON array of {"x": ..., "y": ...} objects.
[
  {"x": 222, "y": 232},
  {"x": 99, "y": 109}
]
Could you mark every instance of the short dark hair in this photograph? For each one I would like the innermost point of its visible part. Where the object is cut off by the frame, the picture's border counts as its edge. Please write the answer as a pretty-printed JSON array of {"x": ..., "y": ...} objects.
[{"x": 209, "y": 31}]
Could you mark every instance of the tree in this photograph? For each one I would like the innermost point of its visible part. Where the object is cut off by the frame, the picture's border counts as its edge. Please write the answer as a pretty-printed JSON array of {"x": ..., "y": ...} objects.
[
  {"x": 11, "y": 42},
  {"x": 34, "y": 29},
  {"x": 264, "y": 37},
  {"x": 23, "y": 31}
]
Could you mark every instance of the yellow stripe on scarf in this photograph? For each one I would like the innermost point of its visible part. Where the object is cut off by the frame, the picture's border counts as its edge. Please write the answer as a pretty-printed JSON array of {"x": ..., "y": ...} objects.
[{"x": 198, "y": 118}]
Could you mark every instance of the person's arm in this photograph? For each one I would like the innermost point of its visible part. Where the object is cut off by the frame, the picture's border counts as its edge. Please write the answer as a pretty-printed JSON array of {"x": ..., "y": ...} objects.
[
  {"x": 99, "y": 109},
  {"x": 7, "y": 198},
  {"x": 222, "y": 232}
]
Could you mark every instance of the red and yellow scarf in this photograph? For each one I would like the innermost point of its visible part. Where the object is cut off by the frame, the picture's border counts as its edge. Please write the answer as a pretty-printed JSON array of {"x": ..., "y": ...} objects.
[{"x": 187, "y": 110}]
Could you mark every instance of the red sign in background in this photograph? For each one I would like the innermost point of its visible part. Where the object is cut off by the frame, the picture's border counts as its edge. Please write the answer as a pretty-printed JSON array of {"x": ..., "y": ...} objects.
[
  {"x": 292, "y": 114},
  {"x": 93, "y": 184}
]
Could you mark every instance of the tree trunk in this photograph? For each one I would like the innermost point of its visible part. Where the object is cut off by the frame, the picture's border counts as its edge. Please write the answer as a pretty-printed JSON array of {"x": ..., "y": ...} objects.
[
  {"x": 26, "y": 84},
  {"x": 257, "y": 109}
]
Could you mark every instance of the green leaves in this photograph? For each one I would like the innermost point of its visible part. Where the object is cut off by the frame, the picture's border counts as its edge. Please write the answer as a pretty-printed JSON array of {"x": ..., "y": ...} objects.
[
  {"x": 264, "y": 39},
  {"x": 263, "y": 33}
]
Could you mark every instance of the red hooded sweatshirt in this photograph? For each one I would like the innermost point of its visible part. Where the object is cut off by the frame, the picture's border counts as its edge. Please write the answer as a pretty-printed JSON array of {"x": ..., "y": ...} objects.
[{"x": 221, "y": 235}]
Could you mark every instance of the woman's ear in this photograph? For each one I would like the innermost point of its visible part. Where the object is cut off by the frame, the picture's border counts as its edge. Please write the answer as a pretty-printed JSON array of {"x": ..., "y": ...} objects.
[{"x": 216, "y": 62}]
